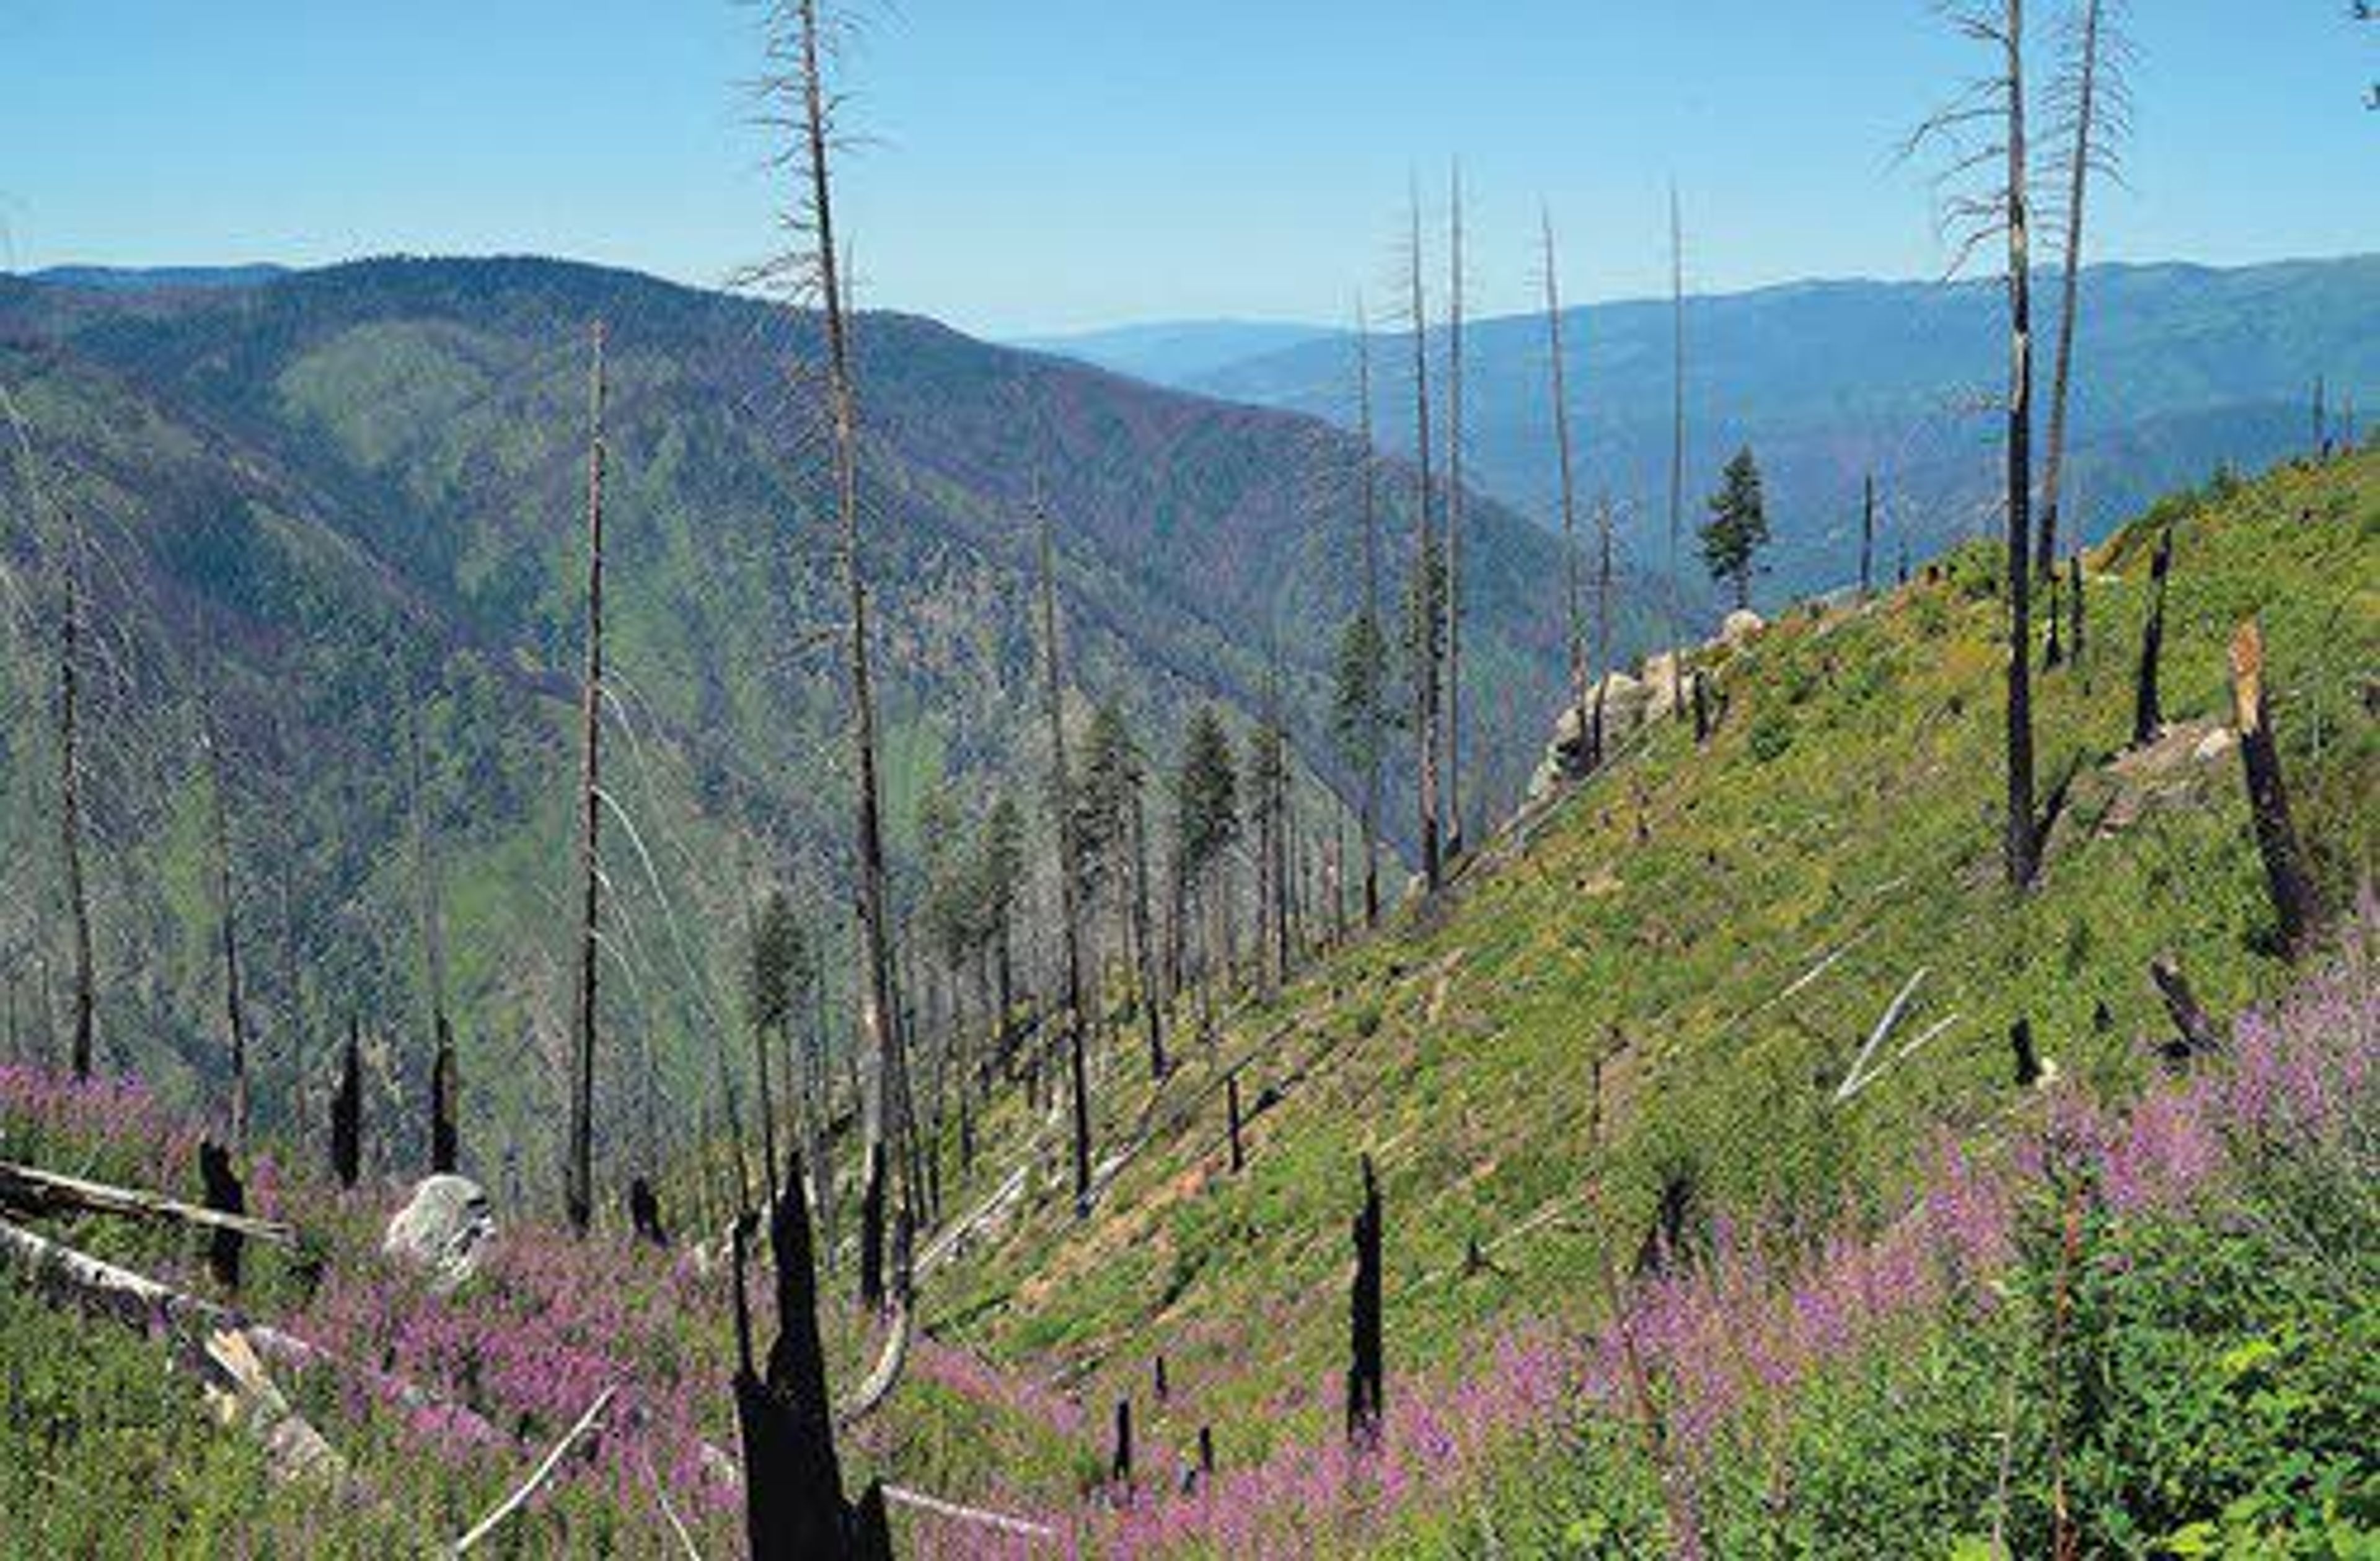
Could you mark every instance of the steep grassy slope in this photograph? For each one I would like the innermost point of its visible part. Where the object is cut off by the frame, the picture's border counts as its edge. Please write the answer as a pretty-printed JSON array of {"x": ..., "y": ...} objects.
[
  {"x": 1665, "y": 985},
  {"x": 336, "y": 494},
  {"x": 2184, "y": 368}
]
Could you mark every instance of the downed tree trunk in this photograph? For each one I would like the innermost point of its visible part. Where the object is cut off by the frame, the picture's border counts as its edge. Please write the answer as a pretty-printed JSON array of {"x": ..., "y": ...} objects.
[
  {"x": 2268, "y": 799},
  {"x": 32, "y": 1190},
  {"x": 241, "y": 1392},
  {"x": 899, "y": 1326},
  {"x": 69, "y": 1278},
  {"x": 1856, "y": 1077},
  {"x": 588, "y": 1425},
  {"x": 1000, "y": 1521},
  {"x": 2197, "y": 1035}
]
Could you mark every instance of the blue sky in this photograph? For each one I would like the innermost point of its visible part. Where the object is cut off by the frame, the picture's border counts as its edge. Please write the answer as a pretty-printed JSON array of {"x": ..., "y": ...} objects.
[{"x": 1047, "y": 164}]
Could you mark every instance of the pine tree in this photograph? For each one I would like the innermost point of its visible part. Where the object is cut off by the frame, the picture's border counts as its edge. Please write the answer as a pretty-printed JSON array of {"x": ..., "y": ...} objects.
[
  {"x": 1738, "y": 527},
  {"x": 1206, "y": 815}
]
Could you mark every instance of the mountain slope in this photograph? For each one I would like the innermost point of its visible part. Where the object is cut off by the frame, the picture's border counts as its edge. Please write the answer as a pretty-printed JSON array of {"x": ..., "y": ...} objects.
[
  {"x": 343, "y": 491},
  {"x": 2180, "y": 369},
  {"x": 1945, "y": 1310},
  {"x": 1654, "y": 1000}
]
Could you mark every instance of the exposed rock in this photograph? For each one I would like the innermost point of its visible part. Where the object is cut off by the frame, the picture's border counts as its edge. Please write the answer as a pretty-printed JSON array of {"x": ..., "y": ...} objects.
[
  {"x": 445, "y": 1229},
  {"x": 1740, "y": 625}
]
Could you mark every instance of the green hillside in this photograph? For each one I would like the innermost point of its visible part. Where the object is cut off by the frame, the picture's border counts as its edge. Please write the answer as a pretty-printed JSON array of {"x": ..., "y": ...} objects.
[
  {"x": 333, "y": 496},
  {"x": 1665, "y": 985},
  {"x": 1911, "y": 1310}
]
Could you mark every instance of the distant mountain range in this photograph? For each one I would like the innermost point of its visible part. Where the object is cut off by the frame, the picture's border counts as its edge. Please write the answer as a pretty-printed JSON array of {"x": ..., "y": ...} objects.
[
  {"x": 2180, "y": 368},
  {"x": 1178, "y": 353}
]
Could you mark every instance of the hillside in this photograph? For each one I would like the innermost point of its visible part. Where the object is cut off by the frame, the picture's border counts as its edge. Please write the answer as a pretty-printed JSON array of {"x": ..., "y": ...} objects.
[
  {"x": 1663, "y": 989},
  {"x": 331, "y": 496},
  {"x": 1639, "y": 1013},
  {"x": 2186, "y": 367}
]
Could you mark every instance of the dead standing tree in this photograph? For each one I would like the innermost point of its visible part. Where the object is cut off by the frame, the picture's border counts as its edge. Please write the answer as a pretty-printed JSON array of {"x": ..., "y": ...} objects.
[
  {"x": 227, "y": 907},
  {"x": 794, "y": 1505},
  {"x": 1677, "y": 415},
  {"x": 1424, "y": 584},
  {"x": 1365, "y": 1377},
  {"x": 1983, "y": 127},
  {"x": 66, "y": 552},
  {"x": 2148, "y": 714},
  {"x": 2294, "y": 908},
  {"x": 444, "y": 1138},
  {"x": 1454, "y": 377},
  {"x": 578, "y": 1167},
  {"x": 2093, "y": 107},
  {"x": 1575, "y": 634},
  {"x": 1061, "y": 813},
  {"x": 797, "y": 101}
]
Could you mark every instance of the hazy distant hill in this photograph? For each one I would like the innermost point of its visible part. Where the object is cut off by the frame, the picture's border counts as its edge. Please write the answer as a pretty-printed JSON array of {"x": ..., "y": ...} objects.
[
  {"x": 342, "y": 492},
  {"x": 1177, "y": 353},
  {"x": 2180, "y": 367}
]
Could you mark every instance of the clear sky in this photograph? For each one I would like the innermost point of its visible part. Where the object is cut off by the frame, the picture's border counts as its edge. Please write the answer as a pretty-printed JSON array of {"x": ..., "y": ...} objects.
[{"x": 1047, "y": 164}]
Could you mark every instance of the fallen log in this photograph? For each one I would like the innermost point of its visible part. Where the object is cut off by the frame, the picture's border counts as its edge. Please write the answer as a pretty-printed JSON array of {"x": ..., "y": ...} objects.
[
  {"x": 886, "y": 1373},
  {"x": 30, "y": 1190},
  {"x": 1854, "y": 1080},
  {"x": 62, "y": 1275},
  {"x": 587, "y": 1424},
  {"x": 900, "y": 1495},
  {"x": 240, "y": 1393},
  {"x": 2197, "y": 1035}
]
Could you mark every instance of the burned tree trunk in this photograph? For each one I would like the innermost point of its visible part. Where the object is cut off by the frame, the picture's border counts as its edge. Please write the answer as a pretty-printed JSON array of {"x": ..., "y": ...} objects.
[
  {"x": 1455, "y": 520},
  {"x": 579, "y": 1166},
  {"x": 1574, "y": 633},
  {"x": 2096, "y": 108},
  {"x": 1867, "y": 535},
  {"x": 70, "y": 810},
  {"x": 2294, "y": 909},
  {"x": 348, "y": 1112},
  {"x": 2195, "y": 1035},
  {"x": 793, "y": 1506},
  {"x": 1232, "y": 1107},
  {"x": 2053, "y": 654},
  {"x": 1144, "y": 941},
  {"x": 226, "y": 894},
  {"x": 445, "y": 1139},
  {"x": 2074, "y": 606},
  {"x": 222, "y": 1194},
  {"x": 1062, "y": 803},
  {"x": 2028, "y": 1061},
  {"x": 1120, "y": 1464},
  {"x": 645, "y": 1213},
  {"x": 1425, "y": 563},
  {"x": 1365, "y": 1393},
  {"x": 2147, "y": 713},
  {"x": 2024, "y": 845}
]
